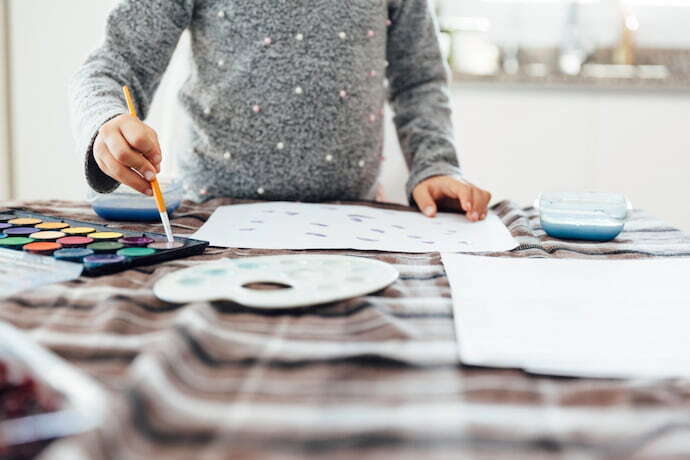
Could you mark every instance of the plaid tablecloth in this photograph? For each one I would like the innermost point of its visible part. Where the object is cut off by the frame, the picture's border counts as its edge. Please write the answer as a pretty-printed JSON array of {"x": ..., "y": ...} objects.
[{"x": 373, "y": 377}]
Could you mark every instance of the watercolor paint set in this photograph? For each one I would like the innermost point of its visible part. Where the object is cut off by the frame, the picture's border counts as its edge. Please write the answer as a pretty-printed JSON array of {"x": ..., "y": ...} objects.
[{"x": 100, "y": 249}]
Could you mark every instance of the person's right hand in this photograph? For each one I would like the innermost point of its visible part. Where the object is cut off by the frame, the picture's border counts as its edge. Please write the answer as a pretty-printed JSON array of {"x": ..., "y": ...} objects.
[{"x": 127, "y": 150}]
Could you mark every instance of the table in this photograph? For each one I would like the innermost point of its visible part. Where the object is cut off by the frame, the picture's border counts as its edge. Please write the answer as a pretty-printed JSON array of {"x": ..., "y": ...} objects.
[{"x": 372, "y": 377}]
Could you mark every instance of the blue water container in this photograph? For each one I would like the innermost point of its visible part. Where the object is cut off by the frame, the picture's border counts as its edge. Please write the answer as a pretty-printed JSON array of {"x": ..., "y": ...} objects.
[
  {"x": 592, "y": 216},
  {"x": 126, "y": 204}
]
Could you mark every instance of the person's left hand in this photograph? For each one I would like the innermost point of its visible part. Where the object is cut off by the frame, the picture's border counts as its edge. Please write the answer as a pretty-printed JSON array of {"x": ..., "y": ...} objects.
[{"x": 452, "y": 193}]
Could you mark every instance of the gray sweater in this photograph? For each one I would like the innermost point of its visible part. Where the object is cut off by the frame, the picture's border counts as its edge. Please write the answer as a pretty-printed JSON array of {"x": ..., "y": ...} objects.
[{"x": 285, "y": 97}]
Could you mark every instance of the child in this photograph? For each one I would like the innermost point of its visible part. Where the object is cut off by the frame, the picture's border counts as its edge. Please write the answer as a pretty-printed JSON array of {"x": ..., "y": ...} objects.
[{"x": 285, "y": 99}]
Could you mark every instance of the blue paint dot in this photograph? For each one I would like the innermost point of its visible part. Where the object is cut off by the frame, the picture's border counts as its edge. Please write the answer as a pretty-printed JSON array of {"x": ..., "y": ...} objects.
[{"x": 248, "y": 265}]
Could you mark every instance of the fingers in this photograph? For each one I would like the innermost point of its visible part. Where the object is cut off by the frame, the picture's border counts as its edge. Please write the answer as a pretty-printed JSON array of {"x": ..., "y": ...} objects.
[
  {"x": 125, "y": 143},
  {"x": 118, "y": 171},
  {"x": 463, "y": 193},
  {"x": 425, "y": 202},
  {"x": 141, "y": 138},
  {"x": 482, "y": 203},
  {"x": 473, "y": 200}
]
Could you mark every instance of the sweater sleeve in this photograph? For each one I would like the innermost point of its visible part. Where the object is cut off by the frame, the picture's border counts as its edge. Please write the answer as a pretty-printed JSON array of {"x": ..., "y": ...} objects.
[
  {"x": 141, "y": 36},
  {"x": 418, "y": 77}
]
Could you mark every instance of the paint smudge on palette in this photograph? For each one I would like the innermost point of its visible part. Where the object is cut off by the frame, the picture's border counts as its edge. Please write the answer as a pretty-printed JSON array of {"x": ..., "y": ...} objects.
[
  {"x": 191, "y": 281},
  {"x": 320, "y": 235}
]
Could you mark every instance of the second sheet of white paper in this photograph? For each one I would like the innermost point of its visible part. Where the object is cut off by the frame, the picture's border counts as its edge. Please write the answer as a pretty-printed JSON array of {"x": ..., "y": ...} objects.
[
  {"x": 601, "y": 318},
  {"x": 283, "y": 225}
]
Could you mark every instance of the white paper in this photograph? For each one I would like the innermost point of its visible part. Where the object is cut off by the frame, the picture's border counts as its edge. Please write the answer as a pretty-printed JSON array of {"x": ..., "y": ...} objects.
[
  {"x": 20, "y": 271},
  {"x": 604, "y": 318},
  {"x": 283, "y": 225}
]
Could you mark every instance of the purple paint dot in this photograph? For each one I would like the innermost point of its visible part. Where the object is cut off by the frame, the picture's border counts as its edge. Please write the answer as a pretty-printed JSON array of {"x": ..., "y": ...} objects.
[
  {"x": 398, "y": 226},
  {"x": 366, "y": 239},
  {"x": 320, "y": 235},
  {"x": 428, "y": 242},
  {"x": 377, "y": 230},
  {"x": 318, "y": 224}
]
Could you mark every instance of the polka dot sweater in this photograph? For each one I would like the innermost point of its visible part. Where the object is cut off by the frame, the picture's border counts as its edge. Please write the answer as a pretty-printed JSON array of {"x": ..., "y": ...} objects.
[{"x": 285, "y": 97}]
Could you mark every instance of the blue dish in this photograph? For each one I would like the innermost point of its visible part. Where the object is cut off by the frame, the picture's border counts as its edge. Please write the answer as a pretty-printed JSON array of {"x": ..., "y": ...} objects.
[
  {"x": 587, "y": 216},
  {"x": 126, "y": 204}
]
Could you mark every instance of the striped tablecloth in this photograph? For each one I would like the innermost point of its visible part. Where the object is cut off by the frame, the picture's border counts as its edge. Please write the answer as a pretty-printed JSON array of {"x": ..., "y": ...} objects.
[{"x": 373, "y": 377}]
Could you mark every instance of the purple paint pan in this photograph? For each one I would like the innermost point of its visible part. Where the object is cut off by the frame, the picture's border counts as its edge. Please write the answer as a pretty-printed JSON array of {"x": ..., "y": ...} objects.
[
  {"x": 102, "y": 259},
  {"x": 4, "y": 226},
  {"x": 136, "y": 241},
  {"x": 20, "y": 231}
]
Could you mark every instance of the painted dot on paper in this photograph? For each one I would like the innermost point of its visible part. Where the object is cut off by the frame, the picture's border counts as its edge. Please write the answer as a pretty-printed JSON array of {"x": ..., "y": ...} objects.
[
  {"x": 415, "y": 237},
  {"x": 377, "y": 230},
  {"x": 247, "y": 229},
  {"x": 318, "y": 224},
  {"x": 320, "y": 235},
  {"x": 362, "y": 238}
]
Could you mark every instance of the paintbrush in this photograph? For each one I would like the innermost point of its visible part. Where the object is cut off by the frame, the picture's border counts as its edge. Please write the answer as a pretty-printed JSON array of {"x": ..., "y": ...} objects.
[{"x": 155, "y": 186}]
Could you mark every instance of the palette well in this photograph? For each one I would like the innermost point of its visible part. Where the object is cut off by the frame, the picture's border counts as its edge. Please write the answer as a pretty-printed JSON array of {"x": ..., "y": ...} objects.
[
  {"x": 100, "y": 249},
  {"x": 286, "y": 281}
]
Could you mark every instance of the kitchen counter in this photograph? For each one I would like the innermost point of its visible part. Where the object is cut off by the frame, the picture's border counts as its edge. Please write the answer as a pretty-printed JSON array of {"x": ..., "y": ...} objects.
[{"x": 656, "y": 69}]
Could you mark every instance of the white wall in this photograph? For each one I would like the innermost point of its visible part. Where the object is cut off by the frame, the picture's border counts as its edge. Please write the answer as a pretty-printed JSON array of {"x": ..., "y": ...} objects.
[
  {"x": 5, "y": 176},
  {"x": 48, "y": 41}
]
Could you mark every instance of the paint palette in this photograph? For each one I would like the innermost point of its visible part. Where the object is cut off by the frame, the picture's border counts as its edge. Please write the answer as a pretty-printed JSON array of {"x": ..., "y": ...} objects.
[
  {"x": 286, "y": 281},
  {"x": 101, "y": 250}
]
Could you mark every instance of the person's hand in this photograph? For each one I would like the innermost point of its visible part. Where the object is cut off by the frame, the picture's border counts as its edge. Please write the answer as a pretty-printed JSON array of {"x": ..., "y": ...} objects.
[
  {"x": 452, "y": 193},
  {"x": 127, "y": 150}
]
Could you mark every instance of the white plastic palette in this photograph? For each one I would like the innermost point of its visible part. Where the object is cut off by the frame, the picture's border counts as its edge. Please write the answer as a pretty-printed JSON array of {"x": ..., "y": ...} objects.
[{"x": 310, "y": 280}]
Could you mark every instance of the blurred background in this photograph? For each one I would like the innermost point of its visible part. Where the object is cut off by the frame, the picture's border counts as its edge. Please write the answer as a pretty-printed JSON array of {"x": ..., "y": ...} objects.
[{"x": 548, "y": 95}]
